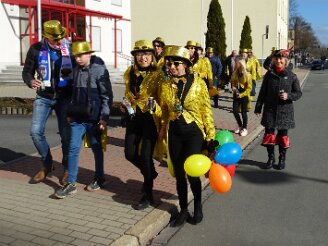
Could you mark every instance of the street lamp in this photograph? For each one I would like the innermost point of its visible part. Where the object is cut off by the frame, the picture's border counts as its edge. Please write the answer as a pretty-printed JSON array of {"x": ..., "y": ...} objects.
[
  {"x": 39, "y": 20},
  {"x": 266, "y": 35}
]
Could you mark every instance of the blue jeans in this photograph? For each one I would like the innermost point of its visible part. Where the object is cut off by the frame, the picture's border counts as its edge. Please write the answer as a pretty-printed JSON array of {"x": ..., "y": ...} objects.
[
  {"x": 253, "y": 92},
  {"x": 42, "y": 108},
  {"x": 78, "y": 130}
]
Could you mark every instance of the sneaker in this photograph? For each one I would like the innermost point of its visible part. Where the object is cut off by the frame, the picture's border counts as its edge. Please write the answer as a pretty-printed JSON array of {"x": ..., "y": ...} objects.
[
  {"x": 96, "y": 184},
  {"x": 68, "y": 189},
  {"x": 243, "y": 132},
  {"x": 237, "y": 131}
]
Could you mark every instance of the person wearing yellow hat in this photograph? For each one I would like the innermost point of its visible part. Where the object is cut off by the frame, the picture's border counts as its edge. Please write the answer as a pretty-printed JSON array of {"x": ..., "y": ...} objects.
[
  {"x": 187, "y": 120},
  {"x": 88, "y": 115},
  {"x": 140, "y": 105},
  {"x": 158, "y": 44},
  {"x": 250, "y": 66},
  {"x": 216, "y": 71},
  {"x": 52, "y": 62},
  {"x": 280, "y": 88},
  {"x": 253, "y": 59}
]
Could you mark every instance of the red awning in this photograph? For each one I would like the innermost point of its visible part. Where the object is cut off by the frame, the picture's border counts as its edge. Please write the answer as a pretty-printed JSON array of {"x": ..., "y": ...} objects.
[{"x": 71, "y": 8}]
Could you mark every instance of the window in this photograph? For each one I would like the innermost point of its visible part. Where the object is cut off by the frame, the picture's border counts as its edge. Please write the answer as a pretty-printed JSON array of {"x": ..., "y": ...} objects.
[
  {"x": 117, "y": 2},
  {"x": 118, "y": 40}
]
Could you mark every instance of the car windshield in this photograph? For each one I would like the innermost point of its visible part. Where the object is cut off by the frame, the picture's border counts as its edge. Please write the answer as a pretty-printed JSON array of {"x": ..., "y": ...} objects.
[{"x": 316, "y": 62}]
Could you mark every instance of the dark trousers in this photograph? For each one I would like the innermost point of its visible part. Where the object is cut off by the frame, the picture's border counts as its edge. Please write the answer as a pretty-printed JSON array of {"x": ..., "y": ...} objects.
[
  {"x": 240, "y": 104},
  {"x": 141, "y": 130},
  {"x": 185, "y": 140}
]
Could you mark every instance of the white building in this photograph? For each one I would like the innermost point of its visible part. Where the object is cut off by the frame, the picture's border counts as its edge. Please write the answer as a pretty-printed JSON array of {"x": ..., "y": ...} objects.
[
  {"x": 106, "y": 23},
  {"x": 183, "y": 20}
]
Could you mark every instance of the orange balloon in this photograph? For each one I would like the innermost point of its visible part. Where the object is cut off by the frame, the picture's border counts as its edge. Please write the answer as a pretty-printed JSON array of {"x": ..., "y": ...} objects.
[{"x": 220, "y": 179}]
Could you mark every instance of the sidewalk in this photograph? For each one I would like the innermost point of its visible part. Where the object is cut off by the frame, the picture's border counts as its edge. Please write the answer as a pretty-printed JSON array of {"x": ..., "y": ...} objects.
[{"x": 29, "y": 215}]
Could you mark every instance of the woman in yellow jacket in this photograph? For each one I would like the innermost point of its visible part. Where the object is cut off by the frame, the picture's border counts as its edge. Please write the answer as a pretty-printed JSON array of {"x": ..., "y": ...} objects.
[
  {"x": 187, "y": 119},
  {"x": 241, "y": 83},
  {"x": 141, "y": 85}
]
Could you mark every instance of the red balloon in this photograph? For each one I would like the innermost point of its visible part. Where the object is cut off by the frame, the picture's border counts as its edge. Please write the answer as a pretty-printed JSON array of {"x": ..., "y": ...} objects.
[
  {"x": 231, "y": 169},
  {"x": 220, "y": 179}
]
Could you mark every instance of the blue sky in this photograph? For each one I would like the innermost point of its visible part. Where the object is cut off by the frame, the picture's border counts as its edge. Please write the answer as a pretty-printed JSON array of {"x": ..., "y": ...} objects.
[{"x": 315, "y": 12}]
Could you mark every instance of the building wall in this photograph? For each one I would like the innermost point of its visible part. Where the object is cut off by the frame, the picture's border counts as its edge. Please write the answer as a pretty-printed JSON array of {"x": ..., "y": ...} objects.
[
  {"x": 10, "y": 42},
  {"x": 10, "y": 46},
  {"x": 179, "y": 21}
]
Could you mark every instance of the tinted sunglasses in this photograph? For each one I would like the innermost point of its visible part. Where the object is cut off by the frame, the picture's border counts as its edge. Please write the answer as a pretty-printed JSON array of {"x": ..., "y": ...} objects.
[{"x": 175, "y": 63}]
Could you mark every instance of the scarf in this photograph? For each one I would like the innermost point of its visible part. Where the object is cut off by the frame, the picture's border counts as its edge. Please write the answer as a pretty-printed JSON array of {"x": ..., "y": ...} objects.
[{"x": 47, "y": 55}]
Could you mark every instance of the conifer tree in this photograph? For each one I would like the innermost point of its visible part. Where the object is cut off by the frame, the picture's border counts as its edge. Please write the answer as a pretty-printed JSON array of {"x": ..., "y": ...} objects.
[
  {"x": 215, "y": 35},
  {"x": 246, "y": 38}
]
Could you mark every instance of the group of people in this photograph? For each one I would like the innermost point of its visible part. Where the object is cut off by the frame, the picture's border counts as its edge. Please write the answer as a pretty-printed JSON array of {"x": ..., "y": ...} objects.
[{"x": 167, "y": 103}]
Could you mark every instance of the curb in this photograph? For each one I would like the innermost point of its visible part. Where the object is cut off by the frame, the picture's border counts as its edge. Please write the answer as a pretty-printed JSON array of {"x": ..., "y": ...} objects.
[{"x": 147, "y": 228}]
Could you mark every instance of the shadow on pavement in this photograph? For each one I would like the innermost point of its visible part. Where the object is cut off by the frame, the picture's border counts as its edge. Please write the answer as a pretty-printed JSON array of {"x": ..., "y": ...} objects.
[{"x": 8, "y": 154}]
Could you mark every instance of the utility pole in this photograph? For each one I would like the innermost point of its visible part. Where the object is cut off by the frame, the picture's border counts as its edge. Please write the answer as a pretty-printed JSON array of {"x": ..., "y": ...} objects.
[{"x": 39, "y": 20}]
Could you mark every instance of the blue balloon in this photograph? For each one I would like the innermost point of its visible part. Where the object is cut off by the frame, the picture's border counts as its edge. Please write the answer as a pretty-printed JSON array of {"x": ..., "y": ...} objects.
[{"x": 228, "y": 154}]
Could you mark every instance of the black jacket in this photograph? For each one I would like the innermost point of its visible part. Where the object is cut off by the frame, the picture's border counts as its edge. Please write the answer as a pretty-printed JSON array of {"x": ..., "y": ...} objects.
[
  {"x": 31, "y": 67},
  {"x": 101, "y": 94},
  {"x": 277, "y": 113}
]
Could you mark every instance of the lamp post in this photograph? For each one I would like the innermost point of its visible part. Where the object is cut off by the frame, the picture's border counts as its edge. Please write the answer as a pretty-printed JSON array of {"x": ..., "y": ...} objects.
[{"x": 266, "y": 35}]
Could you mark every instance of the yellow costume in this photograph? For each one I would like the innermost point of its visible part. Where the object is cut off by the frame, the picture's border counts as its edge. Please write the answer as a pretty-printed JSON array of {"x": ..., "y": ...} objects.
[{"x": 244, "y": 82}]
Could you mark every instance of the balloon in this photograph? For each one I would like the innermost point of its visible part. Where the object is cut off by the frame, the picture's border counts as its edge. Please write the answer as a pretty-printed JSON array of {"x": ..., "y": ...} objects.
[
  {"x": 220, "y": 179},
  {"x": 231, "y": 169},
  {"x": 229, "y": 153},
  {"x": 223, "y": 136},
  {"x": 197, "y": 165}
]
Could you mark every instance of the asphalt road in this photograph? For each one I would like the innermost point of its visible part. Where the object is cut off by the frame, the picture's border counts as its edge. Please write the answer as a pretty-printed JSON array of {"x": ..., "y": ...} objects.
[{"x": 269, "y": 207}]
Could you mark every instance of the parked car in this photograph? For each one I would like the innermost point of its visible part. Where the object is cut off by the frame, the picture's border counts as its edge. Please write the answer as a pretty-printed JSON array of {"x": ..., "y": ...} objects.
[{"x": 318, "y": 64}]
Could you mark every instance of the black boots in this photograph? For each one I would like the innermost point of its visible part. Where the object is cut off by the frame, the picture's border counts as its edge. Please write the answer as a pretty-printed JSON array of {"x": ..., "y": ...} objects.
[
  {"x": 282, "y": 157},
  {"x": 182, "y": 217},
  {"x": 271, "y": 160},
  {"x": 198, "y": 214},
  {"x": 146, "y": 201}
]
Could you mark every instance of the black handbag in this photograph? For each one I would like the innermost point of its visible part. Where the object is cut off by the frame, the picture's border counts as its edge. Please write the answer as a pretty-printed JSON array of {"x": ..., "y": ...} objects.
[{"x": 81, "y": 112}]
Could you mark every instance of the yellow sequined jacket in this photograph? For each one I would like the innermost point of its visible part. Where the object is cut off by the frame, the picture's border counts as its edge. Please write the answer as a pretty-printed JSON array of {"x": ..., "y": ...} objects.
[
  {"x": 250, "y": 67},
  {"x": 203, "y": 68},
  {"x": 196, "y": 105},
  {"x": 257, "y": 67}
]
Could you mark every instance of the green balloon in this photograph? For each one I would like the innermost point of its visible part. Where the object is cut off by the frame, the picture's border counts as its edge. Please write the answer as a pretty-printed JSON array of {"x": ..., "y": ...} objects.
[{"x": 223, "y": 137}]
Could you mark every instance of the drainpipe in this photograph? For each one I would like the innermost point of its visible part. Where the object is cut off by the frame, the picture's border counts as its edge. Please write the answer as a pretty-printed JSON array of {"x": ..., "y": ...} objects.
[{"x": 39, "y": 20}]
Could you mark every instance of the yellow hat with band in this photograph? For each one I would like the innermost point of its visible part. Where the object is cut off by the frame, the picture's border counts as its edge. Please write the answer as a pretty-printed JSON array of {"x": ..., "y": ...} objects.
[
  {"x": 81, "y": 47},
  {"x": 177, "y": 52},
  {"x": 142, "y": 45},
  {"x": 53, "y": 30}
]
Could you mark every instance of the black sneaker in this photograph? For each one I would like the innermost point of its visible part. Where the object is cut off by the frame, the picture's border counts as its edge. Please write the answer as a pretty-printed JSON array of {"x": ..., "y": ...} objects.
[
  {"x": 96, "y": 184},
  {"x": 68, "y": 189}
]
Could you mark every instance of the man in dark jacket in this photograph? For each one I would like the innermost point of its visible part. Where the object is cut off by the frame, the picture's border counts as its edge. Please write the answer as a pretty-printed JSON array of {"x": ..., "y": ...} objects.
[
  {"x": 88, "y": 114},
  {"x": 216, "y": 70},
  {"x": 52, "y": 61}
]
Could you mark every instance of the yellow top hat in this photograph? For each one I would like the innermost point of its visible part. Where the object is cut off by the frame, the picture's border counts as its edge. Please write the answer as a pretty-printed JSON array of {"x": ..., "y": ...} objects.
[
  {"x": 159, "y": 40},
  {"x": 243, "y": 51},
  {"x": 273, "y": 48},
  {"x": 210, "y": 50},
  {"x": 249, "y": 51},
  {"x": 142, "y": 45},
  {"x": 191, "y": 43},
  {"x": 53, "y": 30},
  {"x": 81, "y": 47},
  {"x": 177, "y": 52}
]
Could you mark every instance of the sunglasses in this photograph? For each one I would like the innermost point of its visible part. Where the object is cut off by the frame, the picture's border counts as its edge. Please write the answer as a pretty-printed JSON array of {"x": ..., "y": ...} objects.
[{"x": 175, "y": 63}]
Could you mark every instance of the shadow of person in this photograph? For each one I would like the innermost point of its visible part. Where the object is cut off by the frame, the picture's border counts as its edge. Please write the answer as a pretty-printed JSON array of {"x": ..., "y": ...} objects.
[{"x": 7, "y": 155}]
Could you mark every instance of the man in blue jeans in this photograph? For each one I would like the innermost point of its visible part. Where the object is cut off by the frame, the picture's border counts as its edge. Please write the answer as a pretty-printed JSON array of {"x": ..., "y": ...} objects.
[
  {"x": 52, "y": 61},
  {"x": 88, "y": 114}
]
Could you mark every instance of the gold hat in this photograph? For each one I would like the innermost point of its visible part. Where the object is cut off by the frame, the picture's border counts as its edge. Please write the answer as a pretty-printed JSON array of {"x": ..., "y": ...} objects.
[
  {"x": 249, "y": 51},
  {"x": 142, "y": 45},
  {"x": 53, "y": 30},
  {"x": 243, "y": 51},
  {"x": 81, "y": 47},
  {"x": 273, "y": 48},
  {"x": 159, "y": 40},
  {"x": 178, "y": 52},
  {"x": 210, "y": 50},
  {"x": 198, "y": 45},
  {"x": 191, "y": 43}
]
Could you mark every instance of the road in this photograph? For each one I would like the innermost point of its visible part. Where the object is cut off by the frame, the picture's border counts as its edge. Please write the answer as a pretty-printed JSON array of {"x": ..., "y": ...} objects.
[{"x": 269, "y": 207}]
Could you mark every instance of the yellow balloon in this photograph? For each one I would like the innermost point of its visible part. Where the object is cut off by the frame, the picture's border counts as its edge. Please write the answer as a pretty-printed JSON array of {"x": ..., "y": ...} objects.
[{"x": 197, "y": 165}]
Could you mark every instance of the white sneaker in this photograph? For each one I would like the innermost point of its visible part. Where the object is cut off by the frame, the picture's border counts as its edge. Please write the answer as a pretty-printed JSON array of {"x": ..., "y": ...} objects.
[
  {"x": 237, "y": 131},
  {"x": 243, "y": 132}
]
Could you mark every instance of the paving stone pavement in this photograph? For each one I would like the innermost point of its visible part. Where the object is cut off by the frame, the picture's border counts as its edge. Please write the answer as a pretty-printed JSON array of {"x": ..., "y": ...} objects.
[{"x": 30, "y": 215}]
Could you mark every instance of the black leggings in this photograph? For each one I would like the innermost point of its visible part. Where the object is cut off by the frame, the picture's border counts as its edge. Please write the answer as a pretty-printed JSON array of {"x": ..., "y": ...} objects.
[
  {"x": 142, "y": 130},
  {"x": 185, "y": 140},
  {"x": 237, "y": 105},
  {"x": 280, "y": 132}
]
